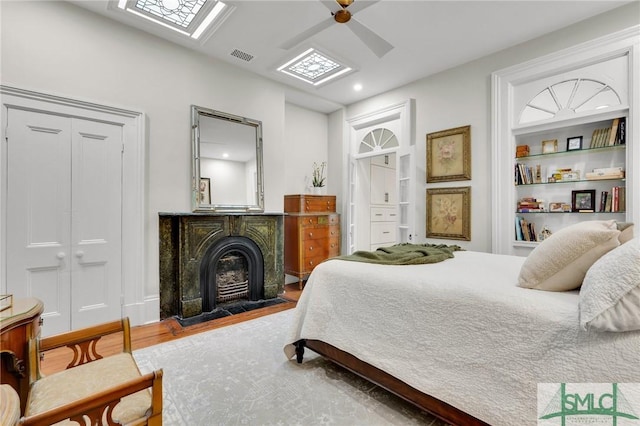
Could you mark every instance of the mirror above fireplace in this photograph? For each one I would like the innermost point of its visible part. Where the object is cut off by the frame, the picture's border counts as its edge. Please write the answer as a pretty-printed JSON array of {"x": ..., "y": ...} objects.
[{"x": 227, "y": 162}]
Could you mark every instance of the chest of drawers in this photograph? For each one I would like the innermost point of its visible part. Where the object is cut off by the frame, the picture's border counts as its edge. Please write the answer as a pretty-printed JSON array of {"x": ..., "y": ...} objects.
[{"x": 311, "y": 233}]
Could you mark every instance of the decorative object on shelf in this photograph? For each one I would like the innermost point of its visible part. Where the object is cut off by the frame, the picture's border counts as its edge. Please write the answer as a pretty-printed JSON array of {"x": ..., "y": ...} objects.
[
  {"x": 449, "y": 155},
  {"x": 317, "y": 178},
  {"x": 522, "y": 151},
  {"x": 556, "y": 207},
  {"x": 205, "y": 191},
  {"x": 544, "y": 234},
  {"x": 449, "y": 213},
  {"x": 550, "y": 146},
  {"x": 574, "y": 143},
  {"x": 583, "y": 201}
]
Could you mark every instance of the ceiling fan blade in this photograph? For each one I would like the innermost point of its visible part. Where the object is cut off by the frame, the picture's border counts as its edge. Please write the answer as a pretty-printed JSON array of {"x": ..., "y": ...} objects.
[
  {"x": 308, "y": 33},
  {"x": 377, "y": 44},
  {"x": 359, "y": 5},
  {"x": 332, "y": 5}
]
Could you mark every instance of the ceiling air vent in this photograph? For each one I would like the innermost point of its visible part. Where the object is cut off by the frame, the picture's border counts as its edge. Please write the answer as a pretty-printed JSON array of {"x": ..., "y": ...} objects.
[{"x": 241, "y": 55}]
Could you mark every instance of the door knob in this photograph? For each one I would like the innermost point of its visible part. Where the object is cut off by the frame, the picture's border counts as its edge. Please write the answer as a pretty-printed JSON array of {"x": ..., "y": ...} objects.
[{"x": 61, "y": 255}]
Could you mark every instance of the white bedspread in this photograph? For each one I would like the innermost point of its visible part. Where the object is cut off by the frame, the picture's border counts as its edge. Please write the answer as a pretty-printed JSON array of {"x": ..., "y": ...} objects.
[{"x": 461, "y": 331}]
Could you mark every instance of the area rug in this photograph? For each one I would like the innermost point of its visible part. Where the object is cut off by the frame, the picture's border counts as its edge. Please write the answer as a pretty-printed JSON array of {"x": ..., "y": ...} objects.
[{"x": 238, "y": 375}]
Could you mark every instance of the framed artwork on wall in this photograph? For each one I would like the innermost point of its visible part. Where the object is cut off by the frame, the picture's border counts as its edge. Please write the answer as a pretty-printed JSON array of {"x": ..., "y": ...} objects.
[
  {"x": 449, "y": 155},
  {"x": 449, "y": 213},
  {"x": 205, "y": 191}
]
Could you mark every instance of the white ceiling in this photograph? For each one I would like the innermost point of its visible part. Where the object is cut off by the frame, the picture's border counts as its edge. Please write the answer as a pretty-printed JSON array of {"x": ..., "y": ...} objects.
[{"x": 428, "y": 37}]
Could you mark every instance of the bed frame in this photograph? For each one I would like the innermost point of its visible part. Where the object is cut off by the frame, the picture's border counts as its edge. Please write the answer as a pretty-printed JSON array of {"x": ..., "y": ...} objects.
[{"x": 428, "y": 403}]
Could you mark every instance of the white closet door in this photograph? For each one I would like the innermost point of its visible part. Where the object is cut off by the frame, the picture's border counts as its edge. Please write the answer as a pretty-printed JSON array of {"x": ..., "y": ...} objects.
[
  {"x": 64, "y": 204},
  {"x": 38, "y": 208},
  {"x": 96, "y": 197}
]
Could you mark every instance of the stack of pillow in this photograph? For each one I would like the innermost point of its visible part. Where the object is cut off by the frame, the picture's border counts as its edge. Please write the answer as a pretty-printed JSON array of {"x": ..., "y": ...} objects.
[{"x": 602, "y": 259}]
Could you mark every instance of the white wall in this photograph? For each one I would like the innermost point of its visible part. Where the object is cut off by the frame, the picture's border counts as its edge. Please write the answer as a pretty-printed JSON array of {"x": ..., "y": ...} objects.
[
  {"x": 462, "y": 96},
  {"x": 56, "y": 47},
  {"x": 305, "y": 143}
]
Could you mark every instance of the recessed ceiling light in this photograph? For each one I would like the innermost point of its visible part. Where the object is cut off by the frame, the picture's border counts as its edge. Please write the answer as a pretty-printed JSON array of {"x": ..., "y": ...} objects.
[
  {"x": 314, "y": 67},
  {"x": 357, "y": 87},
  {"x": 188, "y": 17}
]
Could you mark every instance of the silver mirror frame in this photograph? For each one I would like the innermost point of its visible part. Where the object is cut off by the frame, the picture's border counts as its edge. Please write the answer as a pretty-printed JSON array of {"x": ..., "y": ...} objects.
[{"x": 196, "y": 113}]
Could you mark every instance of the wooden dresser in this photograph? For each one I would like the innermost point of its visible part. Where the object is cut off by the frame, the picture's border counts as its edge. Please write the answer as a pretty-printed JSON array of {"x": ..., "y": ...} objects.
[
  {"x": 311, "y": 232},
  {"x": 20, "y": 324}
]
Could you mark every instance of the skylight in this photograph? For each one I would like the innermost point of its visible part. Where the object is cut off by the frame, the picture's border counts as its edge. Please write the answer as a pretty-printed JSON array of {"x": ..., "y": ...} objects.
[
  {"x": 314, "y": 67},
  {"x": 188, "y": 17}
]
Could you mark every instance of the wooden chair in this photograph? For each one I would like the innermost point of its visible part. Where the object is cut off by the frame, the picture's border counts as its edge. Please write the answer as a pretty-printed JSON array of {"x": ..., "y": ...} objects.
[{"x": 105, "y": 390}]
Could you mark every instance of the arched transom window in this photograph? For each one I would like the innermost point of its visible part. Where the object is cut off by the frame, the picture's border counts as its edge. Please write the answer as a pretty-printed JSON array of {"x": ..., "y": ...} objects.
[
  {"x": 377, "y": 140},
  {"x": 569, "y": 97}
]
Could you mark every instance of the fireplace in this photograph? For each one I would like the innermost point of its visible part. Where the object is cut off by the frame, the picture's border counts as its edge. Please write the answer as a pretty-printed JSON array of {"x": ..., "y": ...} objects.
[
  {"x": 211, "y": 261},
  {"x": 231, "y": 271}
]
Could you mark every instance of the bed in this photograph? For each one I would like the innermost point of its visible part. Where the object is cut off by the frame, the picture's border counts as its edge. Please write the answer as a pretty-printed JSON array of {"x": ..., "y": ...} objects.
[{"x": 458, "y": 338}]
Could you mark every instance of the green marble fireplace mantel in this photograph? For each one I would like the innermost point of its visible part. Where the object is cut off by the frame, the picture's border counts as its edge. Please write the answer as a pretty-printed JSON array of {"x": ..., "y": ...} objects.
[{"x": 184, "y": 240}]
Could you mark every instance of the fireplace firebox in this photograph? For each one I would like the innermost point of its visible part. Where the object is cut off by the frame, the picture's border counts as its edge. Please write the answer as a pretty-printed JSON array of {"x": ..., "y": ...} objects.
[{"x": 212, "y": 260}]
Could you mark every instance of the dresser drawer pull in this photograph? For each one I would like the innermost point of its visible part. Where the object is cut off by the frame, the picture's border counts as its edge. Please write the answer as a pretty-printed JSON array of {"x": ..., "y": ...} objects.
[
  {"x": 310, "y": 248},
  {"x": 311, "y": 234},
  {"x": 386, "y": 232}
]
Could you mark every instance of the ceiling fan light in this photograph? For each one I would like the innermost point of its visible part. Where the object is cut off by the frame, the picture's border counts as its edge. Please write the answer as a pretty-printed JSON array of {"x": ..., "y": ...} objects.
[
  {"x": 342, "y": 16},
  {"x": 344, "y": 3}
]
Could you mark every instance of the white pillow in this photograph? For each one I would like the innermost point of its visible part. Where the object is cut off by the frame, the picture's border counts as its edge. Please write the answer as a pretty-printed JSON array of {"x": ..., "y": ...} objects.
[
  {"x": 610, "y": 293},
  {"x": 560, "y": 262}
]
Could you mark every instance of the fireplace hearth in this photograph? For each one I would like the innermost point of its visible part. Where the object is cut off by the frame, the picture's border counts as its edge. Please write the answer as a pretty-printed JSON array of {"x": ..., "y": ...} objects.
[{"x": 214, "y": 265}]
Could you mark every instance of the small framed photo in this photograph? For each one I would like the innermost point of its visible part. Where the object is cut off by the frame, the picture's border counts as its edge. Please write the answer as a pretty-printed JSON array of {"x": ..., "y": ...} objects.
[
  {"x": 556, "y": 207},
  {"x": 583, "y": 200},
  {"x": 550, "y": 146},
  {"x": 205, "y": 191},
  {"x": 574, "y": 143}
]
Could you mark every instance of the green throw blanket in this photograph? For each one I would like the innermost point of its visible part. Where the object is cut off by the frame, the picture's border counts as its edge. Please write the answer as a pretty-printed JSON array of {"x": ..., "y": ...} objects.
[{"x": 404, "y": 254}]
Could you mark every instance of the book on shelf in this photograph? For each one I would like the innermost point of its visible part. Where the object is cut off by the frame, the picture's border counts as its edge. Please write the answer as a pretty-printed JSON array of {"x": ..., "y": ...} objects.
[
  {"x": 605, "y": 173},
  {"x": 609, "y": 136},
  {"x": 603, "y": 200},
  {"x": 613, "y": 132},
  {"x": 622, "y": 131}
]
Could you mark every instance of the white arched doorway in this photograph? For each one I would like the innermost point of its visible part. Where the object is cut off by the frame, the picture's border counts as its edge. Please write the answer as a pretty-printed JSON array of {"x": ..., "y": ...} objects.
[{"x": 381, "y": 179}]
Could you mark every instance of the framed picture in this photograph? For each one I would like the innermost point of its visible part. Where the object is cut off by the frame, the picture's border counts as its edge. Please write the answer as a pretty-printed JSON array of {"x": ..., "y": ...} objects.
[
  {"x": 555, "y": 207},
  {"x": 449, "y": 155},
  {"x": 205, "y": 191},
  {"x": 583, "y": 200},
  {"x": 449, "y": 213},
  {"x": 574, "y": 143},
  {"x": 550, "y": 146}
]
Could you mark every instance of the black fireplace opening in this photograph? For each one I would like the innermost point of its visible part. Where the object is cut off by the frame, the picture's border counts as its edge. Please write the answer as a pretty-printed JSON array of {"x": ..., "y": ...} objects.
[
  {"x": 231, "y": 280},
  {"x": 231, "y": 272}
]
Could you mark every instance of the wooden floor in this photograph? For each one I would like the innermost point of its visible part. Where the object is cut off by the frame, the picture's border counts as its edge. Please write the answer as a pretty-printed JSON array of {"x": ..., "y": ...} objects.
[{"x": 167, "y": 330}]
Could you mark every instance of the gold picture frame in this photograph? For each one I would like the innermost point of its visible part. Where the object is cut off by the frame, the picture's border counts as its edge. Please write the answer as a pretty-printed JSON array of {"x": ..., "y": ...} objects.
[
  {"x": 449, "y": 155},
  {"x": 449, "y": 213},
  {"x": 550, "y": 146}
]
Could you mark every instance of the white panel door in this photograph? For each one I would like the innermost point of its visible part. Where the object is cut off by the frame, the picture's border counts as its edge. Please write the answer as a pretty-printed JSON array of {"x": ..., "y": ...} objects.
[
  {"x": 96, "y": 198},
  {"x": 64, "y": 217},
  {"x": 38, "y": 209}
]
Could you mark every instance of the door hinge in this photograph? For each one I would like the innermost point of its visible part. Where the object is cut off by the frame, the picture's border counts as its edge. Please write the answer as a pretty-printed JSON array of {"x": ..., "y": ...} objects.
[{"x": 122, "y": 151}]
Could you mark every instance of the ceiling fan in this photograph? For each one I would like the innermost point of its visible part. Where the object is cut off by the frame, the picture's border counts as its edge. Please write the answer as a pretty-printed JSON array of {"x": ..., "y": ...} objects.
[{"x": 342, "y": 12}]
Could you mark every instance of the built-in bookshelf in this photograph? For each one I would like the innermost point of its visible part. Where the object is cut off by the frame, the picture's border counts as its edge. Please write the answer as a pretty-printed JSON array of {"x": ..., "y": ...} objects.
[
  {"x": 567, "y": 174},
  {"x": 565, "y": 143}
]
